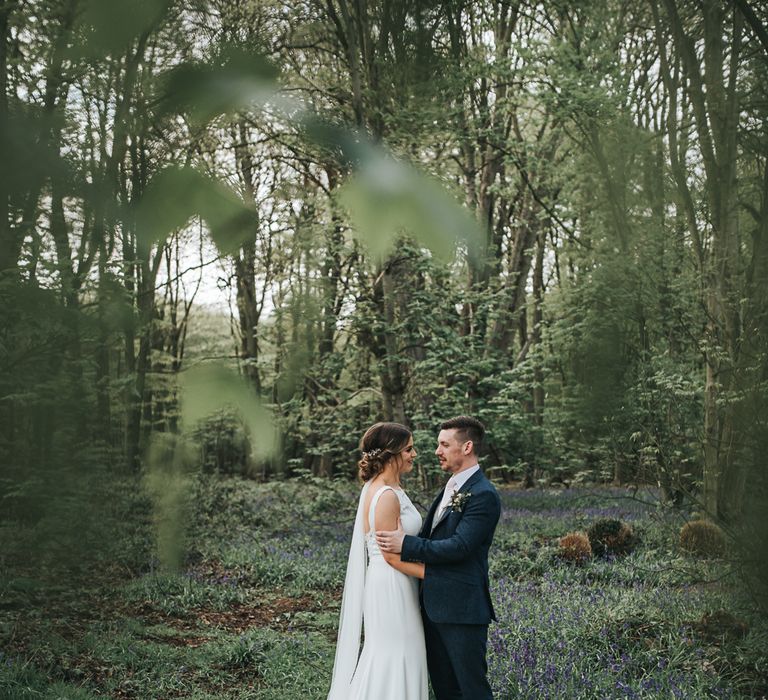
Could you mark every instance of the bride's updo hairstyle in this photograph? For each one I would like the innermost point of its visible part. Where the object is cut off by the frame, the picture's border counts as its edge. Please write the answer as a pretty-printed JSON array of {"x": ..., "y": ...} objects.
[{"x": 381, "y": 442}]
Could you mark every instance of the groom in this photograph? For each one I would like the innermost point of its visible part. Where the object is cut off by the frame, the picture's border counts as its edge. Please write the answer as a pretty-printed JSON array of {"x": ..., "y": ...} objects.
[{"x": 453, "y": 544}]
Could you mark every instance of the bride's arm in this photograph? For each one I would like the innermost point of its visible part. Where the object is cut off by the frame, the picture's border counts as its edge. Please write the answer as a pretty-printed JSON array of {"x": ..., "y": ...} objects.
[
  {"x": 413, "y": 568},
  {"x": 387, "y": 517}
]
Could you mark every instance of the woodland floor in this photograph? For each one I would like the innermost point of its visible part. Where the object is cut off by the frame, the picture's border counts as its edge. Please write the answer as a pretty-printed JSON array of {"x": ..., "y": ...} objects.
[{"x": 253, "y": 612}]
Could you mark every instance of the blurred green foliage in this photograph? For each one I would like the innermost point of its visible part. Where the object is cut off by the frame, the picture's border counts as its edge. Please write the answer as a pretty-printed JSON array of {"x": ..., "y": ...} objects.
[
  {"x": 175, "y": 195},
  {"x": 417, "y": 212}
]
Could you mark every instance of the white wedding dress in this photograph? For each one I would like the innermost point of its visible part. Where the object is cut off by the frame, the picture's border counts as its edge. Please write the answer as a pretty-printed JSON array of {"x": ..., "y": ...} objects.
[{"x": 393, "y": 663}]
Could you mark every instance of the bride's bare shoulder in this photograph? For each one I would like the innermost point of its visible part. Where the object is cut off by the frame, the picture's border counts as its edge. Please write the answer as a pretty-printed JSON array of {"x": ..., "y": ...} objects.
[{"x": 387, "y": 509}]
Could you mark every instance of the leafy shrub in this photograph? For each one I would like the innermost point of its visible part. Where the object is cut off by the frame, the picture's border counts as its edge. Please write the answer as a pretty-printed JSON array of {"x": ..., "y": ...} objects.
[
  {"x": 702, "y": 537},
  {"x": 609, "y": 536},
  {"x": 575, "y": 547}
]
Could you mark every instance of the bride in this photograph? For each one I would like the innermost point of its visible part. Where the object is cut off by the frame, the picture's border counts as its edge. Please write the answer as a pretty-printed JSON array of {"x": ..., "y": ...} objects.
[{"x": 383, "y": 594}]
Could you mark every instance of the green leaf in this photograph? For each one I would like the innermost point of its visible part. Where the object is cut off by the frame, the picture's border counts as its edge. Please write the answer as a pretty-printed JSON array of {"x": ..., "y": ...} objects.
[
  {"x": 209, "y": 388},
  {"x": 176, "y": 194},
  {"x": 233, "y": 80},
  {"x": 28, "y": 158},
  {"x": 168, "y": 482},
  {"x": 109, "y": 26},
  {"x": 387, "y": 199}
]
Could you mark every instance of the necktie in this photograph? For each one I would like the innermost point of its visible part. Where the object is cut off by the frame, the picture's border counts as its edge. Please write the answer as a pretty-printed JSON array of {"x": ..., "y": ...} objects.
[{"x": 450, "y": 489}]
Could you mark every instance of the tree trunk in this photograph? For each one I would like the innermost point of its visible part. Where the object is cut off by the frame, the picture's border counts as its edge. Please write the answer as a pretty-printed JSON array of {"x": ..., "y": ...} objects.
[
  {"x": 538, "y": 320},
  {"x": 391, "y": 366},
  {"x": 6, "y": 261},
  {"x": 248, "y": 312},
  {"x": 715, "y": 110}
]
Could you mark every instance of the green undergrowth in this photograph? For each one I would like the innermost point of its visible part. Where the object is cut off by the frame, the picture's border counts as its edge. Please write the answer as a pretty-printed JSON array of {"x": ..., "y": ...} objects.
[{"x": 254, "y": 609}]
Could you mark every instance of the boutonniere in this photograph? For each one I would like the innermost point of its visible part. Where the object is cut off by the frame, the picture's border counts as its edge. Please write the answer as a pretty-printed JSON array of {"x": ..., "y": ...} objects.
[{"x": 459, "y": 500}]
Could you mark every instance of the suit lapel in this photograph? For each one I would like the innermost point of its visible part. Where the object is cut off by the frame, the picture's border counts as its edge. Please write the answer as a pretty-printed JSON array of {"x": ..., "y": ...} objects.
[
  {"x": 470, "y": 482},
  {"x": 427, "y": 528},
  {"x": 442, "y": 517}
]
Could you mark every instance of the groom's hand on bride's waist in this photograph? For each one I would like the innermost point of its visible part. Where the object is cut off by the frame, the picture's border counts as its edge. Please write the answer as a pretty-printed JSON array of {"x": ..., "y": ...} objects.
[{"x": 391, "y": 540}]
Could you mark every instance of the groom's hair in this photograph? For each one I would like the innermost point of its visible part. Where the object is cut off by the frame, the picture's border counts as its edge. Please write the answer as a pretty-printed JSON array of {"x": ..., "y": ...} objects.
[{"x": 467, "y": 428}]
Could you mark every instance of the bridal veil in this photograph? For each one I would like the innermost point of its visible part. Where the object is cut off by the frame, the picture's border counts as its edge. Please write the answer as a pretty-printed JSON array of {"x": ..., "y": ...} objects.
[{"x": 351, "y": 617}]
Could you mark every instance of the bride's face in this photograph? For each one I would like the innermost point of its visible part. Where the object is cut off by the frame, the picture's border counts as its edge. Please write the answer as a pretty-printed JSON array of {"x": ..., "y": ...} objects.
[{"x": 406, "y": 457}]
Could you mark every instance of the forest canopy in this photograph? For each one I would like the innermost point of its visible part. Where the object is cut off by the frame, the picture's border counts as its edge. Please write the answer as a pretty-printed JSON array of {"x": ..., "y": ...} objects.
[{"x": 552, "y": 216}]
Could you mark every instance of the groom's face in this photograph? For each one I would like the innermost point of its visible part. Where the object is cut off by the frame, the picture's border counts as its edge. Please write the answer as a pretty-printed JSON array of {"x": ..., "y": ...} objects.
[{"x": 450, "y": 451}]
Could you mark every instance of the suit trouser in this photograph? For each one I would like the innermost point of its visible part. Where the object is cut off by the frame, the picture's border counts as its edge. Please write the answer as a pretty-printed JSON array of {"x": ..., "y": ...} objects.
[{"x": 456, "y": 660}]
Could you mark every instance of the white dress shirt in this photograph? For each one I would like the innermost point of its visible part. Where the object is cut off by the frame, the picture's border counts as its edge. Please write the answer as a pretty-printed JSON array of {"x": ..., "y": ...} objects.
[{"x": 453, "y": 485}]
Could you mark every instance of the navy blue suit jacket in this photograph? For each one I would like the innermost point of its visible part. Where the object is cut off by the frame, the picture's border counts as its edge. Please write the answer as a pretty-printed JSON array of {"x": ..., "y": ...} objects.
[{"x": 455, "y": 587}]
